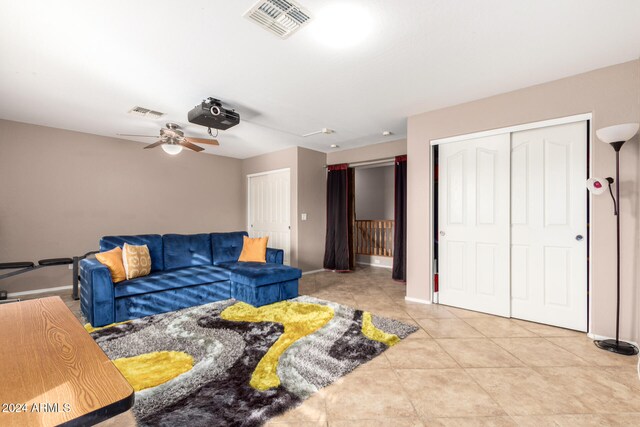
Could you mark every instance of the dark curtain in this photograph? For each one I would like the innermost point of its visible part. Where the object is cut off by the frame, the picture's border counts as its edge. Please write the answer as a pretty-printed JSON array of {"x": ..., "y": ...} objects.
[
  {"x": 338, "y": 242},
  {"x": 400, "y": 231},
  {"x": 351, "y": 178}
]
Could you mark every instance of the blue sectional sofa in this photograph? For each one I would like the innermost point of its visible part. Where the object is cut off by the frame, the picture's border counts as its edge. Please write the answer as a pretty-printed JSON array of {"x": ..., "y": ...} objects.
[{"x": 186, "y": 270}]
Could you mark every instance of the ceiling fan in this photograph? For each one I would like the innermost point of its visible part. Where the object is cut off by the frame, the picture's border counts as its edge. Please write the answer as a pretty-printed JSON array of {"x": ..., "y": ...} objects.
[{"x": 172, "y": 140}]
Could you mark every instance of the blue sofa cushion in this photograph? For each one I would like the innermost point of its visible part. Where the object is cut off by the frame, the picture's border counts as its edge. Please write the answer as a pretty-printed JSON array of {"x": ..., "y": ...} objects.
[
  {"x": 153, "y": 242},
  {"x": 260, "y": 274},
  {"x": 172, "y": 299},
  {"x": 275, "y": 256},
  {"x": 186, "y": 250},
  {"x": 171, "y": 279},
  {"x": 227, "y": 246},
  {"x": 96, "y": 292}
]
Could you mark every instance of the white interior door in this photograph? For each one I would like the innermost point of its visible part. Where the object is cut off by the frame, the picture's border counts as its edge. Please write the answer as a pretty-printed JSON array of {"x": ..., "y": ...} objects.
[
  {"x": 549, "y": 225},
  {"x": 269, "y": 209},
  {"x": 473, "y": 217}
]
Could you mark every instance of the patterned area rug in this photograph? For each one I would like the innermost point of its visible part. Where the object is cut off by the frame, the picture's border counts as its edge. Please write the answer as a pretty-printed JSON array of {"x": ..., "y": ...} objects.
[{"x": 228, "y": 363}]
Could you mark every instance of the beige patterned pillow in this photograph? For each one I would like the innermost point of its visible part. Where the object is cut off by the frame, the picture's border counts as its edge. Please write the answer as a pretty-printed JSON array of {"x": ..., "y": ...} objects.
[{"x": 136, "y": 260}]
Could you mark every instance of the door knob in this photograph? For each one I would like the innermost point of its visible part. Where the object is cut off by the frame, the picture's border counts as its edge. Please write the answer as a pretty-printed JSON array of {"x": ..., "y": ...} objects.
[
  {"x": 579, "y": 237},
  {"x": 442, "y": 233}
]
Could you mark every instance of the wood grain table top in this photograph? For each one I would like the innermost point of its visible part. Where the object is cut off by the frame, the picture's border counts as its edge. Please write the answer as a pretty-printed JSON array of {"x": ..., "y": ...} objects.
[{"x": 51, "y": 370}]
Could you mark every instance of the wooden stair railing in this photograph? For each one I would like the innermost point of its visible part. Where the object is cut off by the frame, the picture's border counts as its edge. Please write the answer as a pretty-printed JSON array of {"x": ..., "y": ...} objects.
[{"x": 373, "y": 237}]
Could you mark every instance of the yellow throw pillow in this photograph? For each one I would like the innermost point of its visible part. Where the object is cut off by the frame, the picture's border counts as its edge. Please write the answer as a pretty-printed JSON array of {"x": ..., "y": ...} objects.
[
  {"x": 113, "y": 260},
  {"x": 254, "y": 250},
  {"x": 136, "y": 260}
]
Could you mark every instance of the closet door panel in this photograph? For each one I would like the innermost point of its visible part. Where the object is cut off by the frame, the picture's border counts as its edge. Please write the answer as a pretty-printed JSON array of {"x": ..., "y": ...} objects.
[
  {"x": 553, "y": 268},
  {"x": 474, "y": 224}
]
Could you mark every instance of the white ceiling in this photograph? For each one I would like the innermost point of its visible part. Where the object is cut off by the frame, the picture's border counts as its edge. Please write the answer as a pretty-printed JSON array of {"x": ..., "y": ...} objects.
[{"x": 81, "y": 65}]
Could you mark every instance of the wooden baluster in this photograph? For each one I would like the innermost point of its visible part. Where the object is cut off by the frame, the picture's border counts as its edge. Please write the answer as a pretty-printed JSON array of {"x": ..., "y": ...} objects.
[
  {"x": 390, "y": 237},
  {"x": 363, "y": 226},
  {"x": 375, "y": 237},
  {"x": 386, "y": 238},
  {"x": 382, "y": 244}
]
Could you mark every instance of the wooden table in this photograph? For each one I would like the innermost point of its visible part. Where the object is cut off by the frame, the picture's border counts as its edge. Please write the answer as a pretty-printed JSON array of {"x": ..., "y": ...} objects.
[{"x": 51, "y": 370}]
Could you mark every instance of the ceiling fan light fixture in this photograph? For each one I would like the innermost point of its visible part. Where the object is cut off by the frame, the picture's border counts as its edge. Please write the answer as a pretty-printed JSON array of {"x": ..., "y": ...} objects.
[{"x": 172, "y": 149}]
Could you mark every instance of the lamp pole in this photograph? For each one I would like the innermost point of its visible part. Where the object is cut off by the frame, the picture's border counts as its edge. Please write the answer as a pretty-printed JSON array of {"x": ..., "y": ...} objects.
[
  {"x": 616, "y": 136},
  {"x": 617, "y": 346},
  {"x": 617, "y": 148}
]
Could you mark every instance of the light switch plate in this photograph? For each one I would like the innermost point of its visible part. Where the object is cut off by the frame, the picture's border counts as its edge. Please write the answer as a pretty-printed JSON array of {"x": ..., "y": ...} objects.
[{"x": 303, "y": 217}]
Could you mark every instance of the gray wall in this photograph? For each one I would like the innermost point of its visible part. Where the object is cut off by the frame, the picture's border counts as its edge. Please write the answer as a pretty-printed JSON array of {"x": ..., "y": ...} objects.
[
  {"x": 60, "y": 191},
  {"x": 374, "y": 192},
  {"x": 312, "y": 200},
  {"x": 308, "y": 183},
  {"x": 287, "y": 158}
]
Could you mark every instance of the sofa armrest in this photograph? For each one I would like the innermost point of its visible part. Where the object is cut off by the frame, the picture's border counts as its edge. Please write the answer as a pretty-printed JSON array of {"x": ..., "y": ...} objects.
[
  {"x": 275, "y": 256},
  {"x": 96, "y": 293}
]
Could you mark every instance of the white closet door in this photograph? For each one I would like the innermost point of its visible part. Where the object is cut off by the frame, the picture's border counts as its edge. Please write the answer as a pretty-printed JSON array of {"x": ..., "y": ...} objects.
[
  {"x": 474, "y": 227},
  {"x": 269, "y": 209},
  {"x": 548, "y": 234}
]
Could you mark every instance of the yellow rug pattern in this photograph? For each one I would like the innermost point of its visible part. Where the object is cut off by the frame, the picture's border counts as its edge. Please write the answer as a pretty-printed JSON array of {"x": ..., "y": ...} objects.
[{"x": 298, "y": 319}]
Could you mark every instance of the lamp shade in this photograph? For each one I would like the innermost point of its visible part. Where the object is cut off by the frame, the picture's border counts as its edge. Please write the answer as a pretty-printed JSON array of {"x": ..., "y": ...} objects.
[
  {"x": 172, "y": 149},
  {"x": 597, "y": 186},
  {"x": 618, "y": 133}
]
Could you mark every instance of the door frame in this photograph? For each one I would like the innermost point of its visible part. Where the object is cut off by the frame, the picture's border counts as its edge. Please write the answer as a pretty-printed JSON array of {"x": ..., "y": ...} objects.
[
  {"x": 271, "y": 172},
  {"x": 588, "y": 117}
]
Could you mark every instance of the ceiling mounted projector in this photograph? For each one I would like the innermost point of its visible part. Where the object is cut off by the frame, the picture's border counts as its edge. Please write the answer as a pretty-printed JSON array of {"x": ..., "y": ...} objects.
[{"x": 210, "y": 113}]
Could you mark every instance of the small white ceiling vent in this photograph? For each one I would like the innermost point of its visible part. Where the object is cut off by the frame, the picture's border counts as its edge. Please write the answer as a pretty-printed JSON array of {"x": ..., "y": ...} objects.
[
  {"x": 280, "y": 17},
  {"x": 145, "y": 112}
]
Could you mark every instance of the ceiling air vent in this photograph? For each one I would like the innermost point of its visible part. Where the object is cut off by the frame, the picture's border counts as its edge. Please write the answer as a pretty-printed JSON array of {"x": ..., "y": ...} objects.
[
  {"x": 145, "y": 112},
  {"x": 280, "y": 17}
]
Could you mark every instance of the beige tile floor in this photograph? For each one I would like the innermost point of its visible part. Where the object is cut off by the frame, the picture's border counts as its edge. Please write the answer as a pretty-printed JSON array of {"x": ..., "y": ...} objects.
[{"x": 464, "y": 368}]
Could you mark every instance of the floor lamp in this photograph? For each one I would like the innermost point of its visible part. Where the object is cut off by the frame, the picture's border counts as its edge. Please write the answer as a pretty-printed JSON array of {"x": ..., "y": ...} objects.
[{"x": 616, "y": 136}]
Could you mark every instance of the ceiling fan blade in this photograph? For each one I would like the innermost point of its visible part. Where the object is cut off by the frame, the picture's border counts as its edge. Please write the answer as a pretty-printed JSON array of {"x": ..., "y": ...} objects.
[
  {"x": 155, "y": 144},
  {"x": 202, "y": 140},
  {"x": 143, "y": 136},
  {"x": 190, "y": 146}
]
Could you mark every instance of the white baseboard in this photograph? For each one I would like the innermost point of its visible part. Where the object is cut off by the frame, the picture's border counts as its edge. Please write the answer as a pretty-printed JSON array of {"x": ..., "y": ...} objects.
[
  {"x": 602, "y": 337},
  {"x": 419, "y": 301},
  {"x": 304, "y": 273},
  {"x": 376, "y": 265},
  {"x": 39, "y": 291}
]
